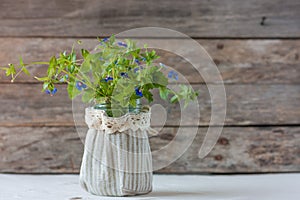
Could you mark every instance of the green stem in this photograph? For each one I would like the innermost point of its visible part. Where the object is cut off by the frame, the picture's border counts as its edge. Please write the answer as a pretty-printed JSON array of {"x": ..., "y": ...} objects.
[
  {"x": 13, "y": 77},
  {"x": 83, "y": 76},
  {"x": 37, "y": 63},
  {"x": 78, "y": 69},
  {"x": 26, "y": 65},
  {"x": 71, "y": 75}
]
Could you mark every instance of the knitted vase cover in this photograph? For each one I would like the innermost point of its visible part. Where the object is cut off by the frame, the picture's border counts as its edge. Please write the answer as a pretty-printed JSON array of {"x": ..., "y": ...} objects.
[{"x": 117, "y": 157}]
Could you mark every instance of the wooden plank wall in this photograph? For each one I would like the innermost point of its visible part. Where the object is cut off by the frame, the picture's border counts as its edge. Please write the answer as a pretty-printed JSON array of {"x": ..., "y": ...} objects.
[{"x": 255, "y": 44}]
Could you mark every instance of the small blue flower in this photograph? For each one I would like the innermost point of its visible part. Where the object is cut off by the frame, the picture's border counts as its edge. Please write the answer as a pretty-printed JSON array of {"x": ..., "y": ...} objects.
[
  {"x": 54, "y": 91},
  {"x": 108, "y": 79},
  {"x": 138, "y": 92},
  {"x": 135, "y": 70},
  {"x": 173, "y": 74},
  {"x": 51, "y": 92},
  {"x": 170, "y": 74},
  {"x": 144, "y": 59},
  {"x": 80, "y": 85},
  {"x": 124, "y": 74},
  {"x": 122, "y": 44},
  {"x": 137, "y": 61},
  {"x": 105, "y": 39}
]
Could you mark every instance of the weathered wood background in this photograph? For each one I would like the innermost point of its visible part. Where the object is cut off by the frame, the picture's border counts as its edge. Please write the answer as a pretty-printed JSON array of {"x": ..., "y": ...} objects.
[{"x": 255, "y": 44}]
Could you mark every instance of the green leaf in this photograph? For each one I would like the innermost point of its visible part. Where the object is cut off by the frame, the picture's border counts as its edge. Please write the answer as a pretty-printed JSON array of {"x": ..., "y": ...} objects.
[
  {"x": 25, "y": 70},
  {"x": 72, "y": 91},
  {"x": 112, "y": 39},
  {"x": 71, "y": 68},
  {"x": 11, "y": 70},
  {"x": 174, "y": 99},
  {"x": 91, "y": 61},
  {"x": 52, "y": 67},
  {"x": 163, "y": 93},
  {"x": 50, "y": 86},
  {"x": 186, "y": 93},
  {"x": 159, "y": 78},
  {"x": 88, "y": 95},
  {"x": 21, "y": 62},
  {"x": 153, "y": 53},
  {"x": 148, "y": 95},
  {"x": 85, "y": 66},
  {"x": 73, "y": 57},
  {"x": 42, "y": 78},
  {"x": 84, "y": 53},
  {"x": 45, "y": 86}
]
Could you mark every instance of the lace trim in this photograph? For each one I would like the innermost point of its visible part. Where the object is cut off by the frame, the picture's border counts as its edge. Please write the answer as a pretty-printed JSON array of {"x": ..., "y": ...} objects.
[{"x": 98, "y": 119}]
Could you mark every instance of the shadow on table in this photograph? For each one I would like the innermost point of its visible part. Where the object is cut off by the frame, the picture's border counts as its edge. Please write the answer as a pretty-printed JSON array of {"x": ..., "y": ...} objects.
[
  {"x": 195, "y": 195},
  {"x": 174, "y": 194}
]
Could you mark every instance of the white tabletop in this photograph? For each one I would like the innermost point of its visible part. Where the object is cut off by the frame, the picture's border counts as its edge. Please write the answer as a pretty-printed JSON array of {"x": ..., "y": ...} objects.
[{"x": 187, "y": 187}]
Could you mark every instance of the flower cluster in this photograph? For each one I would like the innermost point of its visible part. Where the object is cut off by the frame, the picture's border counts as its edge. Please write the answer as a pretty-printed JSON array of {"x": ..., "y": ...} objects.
[
  {"x": 118, "y": 72},
  {"x": 51, "y": 92}
]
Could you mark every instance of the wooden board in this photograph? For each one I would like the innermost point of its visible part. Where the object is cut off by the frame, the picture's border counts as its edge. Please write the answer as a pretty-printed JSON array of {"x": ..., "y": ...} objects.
[
  {"x": 239, "y": 150},
  {"x": 255, "y": 45},
  {"x": 25, "y": 105},
  {"x": 239, "y": 61},
  {"x": 245, "y": 150},
  {"x": 210, "y": 19}
]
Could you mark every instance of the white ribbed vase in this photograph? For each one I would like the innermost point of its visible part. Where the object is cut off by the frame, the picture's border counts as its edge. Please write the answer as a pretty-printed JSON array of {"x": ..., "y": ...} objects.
[{"x": 117, "y": 157}]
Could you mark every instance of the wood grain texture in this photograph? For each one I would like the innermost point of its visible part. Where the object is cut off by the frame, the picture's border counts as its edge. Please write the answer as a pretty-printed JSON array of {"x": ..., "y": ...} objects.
[
  {"x": 239, "y": 61},
  {"x": 42, "y": 149},
  {"x": 239, "y": 150},
  {"x": 255, "y": 45},
  {"x": 245, "y": 150},
  {"x": 229, "y": 18},
  {"x": 246, "y": 105}
]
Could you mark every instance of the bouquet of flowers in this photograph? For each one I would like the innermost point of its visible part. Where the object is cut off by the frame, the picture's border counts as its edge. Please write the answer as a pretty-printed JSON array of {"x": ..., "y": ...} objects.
[{"x": 115, "y": 73}]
